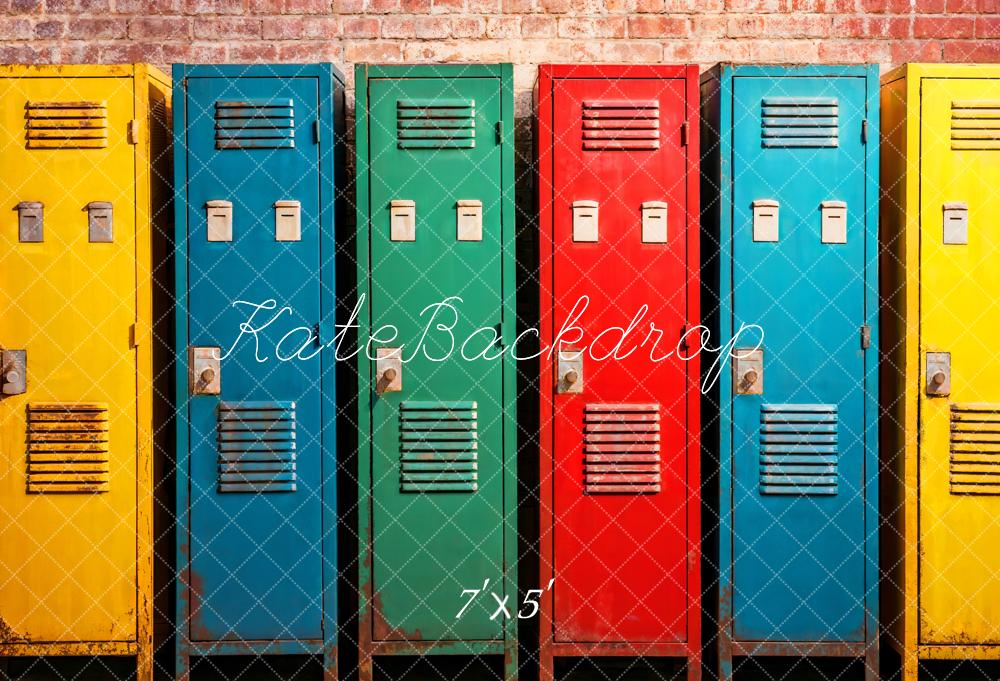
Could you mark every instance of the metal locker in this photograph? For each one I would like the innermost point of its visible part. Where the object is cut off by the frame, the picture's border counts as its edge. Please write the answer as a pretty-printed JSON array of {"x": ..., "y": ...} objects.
[
  {"x": 258, "y": 161},
  {"x": 619, "y": 462},
  {"x": 76, "y": 406},
  {"x": 437, "y": 453},
  {"x": 791, "y": 156},
  {"x": 941, "y": 434}
]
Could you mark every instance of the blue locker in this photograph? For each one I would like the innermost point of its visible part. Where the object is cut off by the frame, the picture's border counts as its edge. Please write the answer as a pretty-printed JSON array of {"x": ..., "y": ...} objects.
[
  {"x": 791, "y": 196},
  {"x": 257, "y": 159}
]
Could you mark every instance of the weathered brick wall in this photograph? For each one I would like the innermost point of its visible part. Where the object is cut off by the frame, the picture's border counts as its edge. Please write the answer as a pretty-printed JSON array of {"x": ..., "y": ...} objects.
[{"x": 525, "y": 32}]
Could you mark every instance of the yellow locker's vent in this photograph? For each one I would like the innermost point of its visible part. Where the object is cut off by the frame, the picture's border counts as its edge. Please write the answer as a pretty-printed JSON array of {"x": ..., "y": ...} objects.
[
  {"x": 437, "y": 446},
  {"x": 788, "y": 122},
  {"x": 255, "y": 124},
  {"x": 975, "y": 449},
  {"x": 436, "y": 123},
  {"x": 257, "y": 447},
  {"x": 67, "y": 447},
  {"x": 622, "y": 125},
  {"x": 975, "y": 124},
  {"x": 798, "y": 449},
  {"x": 621, "y": 445},
  {"x": 66, "y": 125}
]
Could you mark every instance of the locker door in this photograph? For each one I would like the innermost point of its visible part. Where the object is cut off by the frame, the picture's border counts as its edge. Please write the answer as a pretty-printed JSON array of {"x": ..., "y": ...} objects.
[
  {"x": 960, "y": 314},
  {"x": 256, "y": 458},
  {"x": 798, "y": 448},
  {"x": 68, "y": 481},
  {"x": 619, "y": 476},
  {"x": 433, "y": 142}
]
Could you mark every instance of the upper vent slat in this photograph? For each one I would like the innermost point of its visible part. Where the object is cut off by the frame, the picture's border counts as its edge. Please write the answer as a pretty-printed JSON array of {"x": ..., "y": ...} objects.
[
  {"x": 66, "y": 125},
  {"x": 621, "y": 448},
  {"x": 621, "y": 125},
  {"x": 437, "y": 446},
  {"x": 68, "y": 448},
  {"x": 798, "y": 449},
  {"x": 975, "y": 125},
  {"x": 436, "y": 123},
  {"x": 792, "y": 122},
  {"x": 255, "y": 124},
  {"x": 974, "y": 464},
  {"x": 256, "y": 443}
]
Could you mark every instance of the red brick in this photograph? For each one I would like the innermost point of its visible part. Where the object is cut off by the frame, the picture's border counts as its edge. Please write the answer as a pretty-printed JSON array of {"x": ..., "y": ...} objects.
[
  {"x": 468, "y": 27},
  {"x": 944, "y": 27},
  {"x": 445, "y": 6},
  {"x": 300, "y": 28},
  {"x": 985, "y": 51},
  {"x": 214, "y": 6},
  {"x": 503, "y": 27},
  {"x": 228, "y": 28},
  {"x": 123, "y": 53},
  {"x": 149, "y": 7},
  {"x": 777, "y": 26},
  {"x": 307, "y": 6},
  {"x": 49, "y": 29},
  {"x": 650, "y": 6},
  {"x": 657, "y": 26},
  {"x": 88, "y": 28},
  {"x": 554, "y": 6},
  {"x": 25, "y": 6},
  {"x": 708, "y": 25},
  {"x": 876, "y": 26},
  {"x": 518, "y": 6},
  {"x": 538, "y": 26},
  {"x": 305, "y": 51},
  {"x": 620, "y": 5},
  {"x": 360, "y": 27},
  {"x": 77, "y": 6},
  {"x": 383, "y": 6},
  {"x": 988, "y": 27},
  {"x": 854, "y": 51},
  {"x": 253, "y": 52},
  {"x": 210, "y": 53},
  {"x": 633, "y": 51},
  {"x": 159, "y": 28},
  {"x": 432, "y": 27},
  {"x": 415, "y": 6},
  {"x": 398, "y": 27},
  {"x": 358, "y": 52},
  {"x": 349, "y": 6},
  {"x": 915, "y": 50},
  {"x": 15, "y": 28}
]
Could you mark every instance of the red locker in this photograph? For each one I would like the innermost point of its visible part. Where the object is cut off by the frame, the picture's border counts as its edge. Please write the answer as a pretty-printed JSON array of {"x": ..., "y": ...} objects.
[{"x": 620, "y": 488}]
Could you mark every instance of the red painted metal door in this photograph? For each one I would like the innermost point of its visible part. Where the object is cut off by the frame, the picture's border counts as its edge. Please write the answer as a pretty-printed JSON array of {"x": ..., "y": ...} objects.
[{"x": 619, "y": 453}]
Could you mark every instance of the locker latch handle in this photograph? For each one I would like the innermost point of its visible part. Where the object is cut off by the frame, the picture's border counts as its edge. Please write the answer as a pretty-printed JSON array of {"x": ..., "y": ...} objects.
[
  {"x": 388, "y": 370},
  {"x": 30, "y": 222},
  {"x": 204, "y": 370},
  {"x": 569, "y": 372},
  {"x": 100, "y": 222},
  {"x": 938, "y": 374},
  {"x": 15, "y": 371},
  {"x": 748, "y": 371}
]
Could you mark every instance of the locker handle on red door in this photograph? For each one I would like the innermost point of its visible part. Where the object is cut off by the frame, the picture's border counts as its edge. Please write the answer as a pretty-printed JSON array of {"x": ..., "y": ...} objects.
[{"x": 569, "y": 372}]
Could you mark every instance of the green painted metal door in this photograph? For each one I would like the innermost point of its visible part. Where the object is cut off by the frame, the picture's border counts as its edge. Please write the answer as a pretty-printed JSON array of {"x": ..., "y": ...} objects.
[{"x": 436, "y": 529}]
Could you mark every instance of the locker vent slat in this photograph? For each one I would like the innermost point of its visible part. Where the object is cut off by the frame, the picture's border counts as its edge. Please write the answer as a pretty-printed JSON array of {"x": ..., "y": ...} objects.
[
  {"x": 257, "y": 447},
  {"x": 621, "y": 444},
  {"x": 66, "y": 125},
  {"x": 438, "y": 446},
  {"x": 68, "y": 447},
  {"x": 255, "y": 124},
  {"x": 974, "y": 466},
  {"x": 798, "y": 449},
  {"x": 789, "y": 122},
  {"x": 621, "y": 125},
  {"x": 975, "y": 124},
  {"x": 436, "y": 123}
]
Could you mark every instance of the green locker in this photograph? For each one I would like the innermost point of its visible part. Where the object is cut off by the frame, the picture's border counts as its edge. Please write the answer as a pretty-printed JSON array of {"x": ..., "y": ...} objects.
[{"x": 437, "y": 439}]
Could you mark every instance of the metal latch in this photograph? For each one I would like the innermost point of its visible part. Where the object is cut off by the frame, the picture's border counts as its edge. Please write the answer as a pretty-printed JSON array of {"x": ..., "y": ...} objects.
[
  {"x": 469, "y": 216},
  {"x": 15, "y": 371},
  {"x": 585, "y": 221},
  {"x": 938, "y": 373},
  {"x": 956, "y": 222},
  {"x": 654, "y": 222},
  {"x": 402, "y": 220},
  {"x": 765, "y": 220},
  {"x": 748, "y": 371},
  {"x": 287, "y": 221},
  {"x": 866, "y": 336},
  {"x": 30, "y": 222},
  {"x": 569, "y": 371},
  {"x": 388, "y": 370},
  {"x": 100, "y": 222},
  {"x": 204, "y": 370},
  {"x": 220, "y": 220},
  {"x": 833, "y": 216}
]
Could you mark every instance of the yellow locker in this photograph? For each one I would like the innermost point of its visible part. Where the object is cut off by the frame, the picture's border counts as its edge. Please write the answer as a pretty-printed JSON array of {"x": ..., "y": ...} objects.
[
  {"x": 940, "y": 292},
  {"x": 80, "y": 195}
]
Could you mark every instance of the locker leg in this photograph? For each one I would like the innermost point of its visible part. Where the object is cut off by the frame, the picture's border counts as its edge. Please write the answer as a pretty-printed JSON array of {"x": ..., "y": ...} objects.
[
  {"x": 872, "y": 661},
  {"x": 694, "y": 667},
  {"x": 144, "y": 663},
  {"x": 911, "y": 667},
  {"x": 725, "y": 659},
  {"x": 330, "y": 664},
  {"x": 4, "y": 669},
  {"x": 546, "y": 664},
  {"x": 183, "y": 667},
  {"x": 366, "y": 667},
  {"x": 510, "y": 663}
]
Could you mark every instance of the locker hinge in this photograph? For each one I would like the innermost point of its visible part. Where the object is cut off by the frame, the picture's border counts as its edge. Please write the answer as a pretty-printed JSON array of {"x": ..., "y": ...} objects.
[
  {"x": 499, "y": 132},
  {"x": 866, "y": 336},
  {"x": 316, "y": 131},
  {"x": 684, "y": 134},
  {"x": 864, "y": 131},
  {"x": 133, "y": 131},
  {"x": 133, "y": 340}
]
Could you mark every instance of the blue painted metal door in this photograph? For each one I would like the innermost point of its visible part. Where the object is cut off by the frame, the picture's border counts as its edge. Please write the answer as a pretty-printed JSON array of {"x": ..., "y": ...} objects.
[
  {"x": 256, "y": 472},
  {"x": 798, "y": 448}
]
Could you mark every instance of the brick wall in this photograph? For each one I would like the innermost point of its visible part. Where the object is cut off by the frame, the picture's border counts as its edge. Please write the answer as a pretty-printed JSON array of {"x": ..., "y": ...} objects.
[{"x": 525, "y": 32}]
